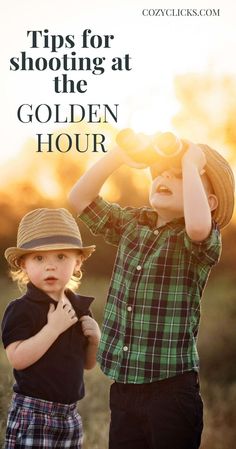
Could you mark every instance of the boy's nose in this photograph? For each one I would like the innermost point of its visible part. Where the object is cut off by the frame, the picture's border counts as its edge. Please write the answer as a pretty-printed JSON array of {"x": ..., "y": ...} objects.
[{"x": 50, "y": 265}]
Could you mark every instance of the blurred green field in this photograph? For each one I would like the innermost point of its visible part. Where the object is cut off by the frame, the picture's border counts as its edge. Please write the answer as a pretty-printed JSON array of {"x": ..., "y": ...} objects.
[{"x": 217, "y": 343}]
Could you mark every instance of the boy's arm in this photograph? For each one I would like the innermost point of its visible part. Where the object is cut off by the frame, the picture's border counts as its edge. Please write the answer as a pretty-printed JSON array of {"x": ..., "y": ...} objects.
[
  {"x": 91, "y": 330},
  {"x": 197, "y": 212},
  {"x": 21, "y": 354},
  {"x": 89, "y": 185}
]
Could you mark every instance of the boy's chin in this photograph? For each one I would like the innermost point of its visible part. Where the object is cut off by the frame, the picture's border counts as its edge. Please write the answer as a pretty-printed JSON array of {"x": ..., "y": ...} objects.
[
  {"x": 157, "y": 206},
  {"x": 154, "y": 207}
]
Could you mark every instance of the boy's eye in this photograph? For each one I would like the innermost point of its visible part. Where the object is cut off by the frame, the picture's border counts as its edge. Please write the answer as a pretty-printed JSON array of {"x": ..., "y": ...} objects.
[
  {"x": 61, "y": 256},
  {"x": 38, "y": 257}
]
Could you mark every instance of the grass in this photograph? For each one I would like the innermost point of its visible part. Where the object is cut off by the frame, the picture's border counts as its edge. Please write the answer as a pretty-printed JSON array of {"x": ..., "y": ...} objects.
[{"x": 218, "y": 381}]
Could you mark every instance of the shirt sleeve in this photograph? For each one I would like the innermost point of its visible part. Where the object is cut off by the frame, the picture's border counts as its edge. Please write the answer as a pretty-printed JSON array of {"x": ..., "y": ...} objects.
[
  {"x": 208, "y": 251},
  {"x": 108, "y": 219},
  {"x": 17, "y": 323}
]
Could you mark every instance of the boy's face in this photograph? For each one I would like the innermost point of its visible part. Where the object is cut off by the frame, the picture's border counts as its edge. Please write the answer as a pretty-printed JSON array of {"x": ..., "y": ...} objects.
[
  {"x": 50, "y": 271},
  {"x": 166, "y": 194}
]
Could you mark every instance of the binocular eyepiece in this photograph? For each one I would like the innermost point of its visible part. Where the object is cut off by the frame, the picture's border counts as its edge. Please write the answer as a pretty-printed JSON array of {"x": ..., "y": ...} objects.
[{"x": 151, "y": 149}]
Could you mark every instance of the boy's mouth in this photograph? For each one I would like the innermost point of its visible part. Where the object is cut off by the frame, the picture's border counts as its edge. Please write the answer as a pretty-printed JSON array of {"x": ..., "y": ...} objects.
[
  {"x": 50, "y": 278},
  {"x": 163, "y": 189}
]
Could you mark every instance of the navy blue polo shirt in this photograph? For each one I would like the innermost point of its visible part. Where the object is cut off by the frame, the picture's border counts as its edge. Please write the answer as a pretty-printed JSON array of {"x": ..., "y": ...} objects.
[{"x": 58, "y": 375}]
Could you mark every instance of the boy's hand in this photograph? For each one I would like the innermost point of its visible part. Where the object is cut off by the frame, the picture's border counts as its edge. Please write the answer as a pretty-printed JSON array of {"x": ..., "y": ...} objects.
[
  {"x": 90, "y": 329},
  {"x": 62, "y": 317},
  {"x": 126, "y": 159},
  {"x": 194, "y": 155}
]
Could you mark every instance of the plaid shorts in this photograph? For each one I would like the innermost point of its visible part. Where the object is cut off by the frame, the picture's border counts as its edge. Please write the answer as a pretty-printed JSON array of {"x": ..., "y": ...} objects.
[{"x": 35, "y": 424}]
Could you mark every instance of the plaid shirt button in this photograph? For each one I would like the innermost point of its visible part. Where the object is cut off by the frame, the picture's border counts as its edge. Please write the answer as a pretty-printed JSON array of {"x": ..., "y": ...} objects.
[
  {"x": 125, "y": 348},
  {"x": 129, "y": 308},
  {"x": 156, "y": 232},
  {"x": 138, "y": 267}
]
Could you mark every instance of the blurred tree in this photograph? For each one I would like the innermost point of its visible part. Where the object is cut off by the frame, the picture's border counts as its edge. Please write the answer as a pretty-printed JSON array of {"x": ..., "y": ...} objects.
[{"x": 208, "y": 110}]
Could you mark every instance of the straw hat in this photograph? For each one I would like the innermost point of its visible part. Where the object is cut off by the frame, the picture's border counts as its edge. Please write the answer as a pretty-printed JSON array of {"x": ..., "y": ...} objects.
[
  {"x": 221, "y": 177},
  {"x": 45, "y": 230}
]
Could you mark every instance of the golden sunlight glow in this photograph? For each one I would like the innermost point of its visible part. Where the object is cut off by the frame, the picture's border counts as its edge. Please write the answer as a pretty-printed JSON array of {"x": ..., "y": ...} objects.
[
  {"x": 110, "y": 191},
  {"x": 157, "y": 117},
  {"x": 46, "y": 183}
]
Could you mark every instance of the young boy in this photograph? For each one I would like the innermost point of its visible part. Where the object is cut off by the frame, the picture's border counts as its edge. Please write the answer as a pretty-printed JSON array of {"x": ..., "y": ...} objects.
[
  {"x": 165, "y": 254},
  {"x": 48, "y": 333}
]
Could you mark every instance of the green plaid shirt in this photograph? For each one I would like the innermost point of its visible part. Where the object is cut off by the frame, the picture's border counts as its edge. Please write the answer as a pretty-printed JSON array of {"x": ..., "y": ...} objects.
[{"x": 152, "y": 313}]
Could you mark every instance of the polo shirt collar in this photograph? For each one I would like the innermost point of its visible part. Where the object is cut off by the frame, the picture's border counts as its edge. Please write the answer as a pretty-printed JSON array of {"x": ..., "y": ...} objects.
[{"x": 80, "y": 303}]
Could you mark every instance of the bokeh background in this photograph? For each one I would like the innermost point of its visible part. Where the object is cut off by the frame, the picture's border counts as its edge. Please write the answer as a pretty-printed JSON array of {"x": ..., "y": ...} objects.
[{"x": 183, "y": 80}]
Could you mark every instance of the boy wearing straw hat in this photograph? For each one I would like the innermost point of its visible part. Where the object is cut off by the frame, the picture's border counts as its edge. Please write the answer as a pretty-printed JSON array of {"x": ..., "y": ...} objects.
[
  {"x": 165, "y": 254},
  {"x": 48, "y": 333}
]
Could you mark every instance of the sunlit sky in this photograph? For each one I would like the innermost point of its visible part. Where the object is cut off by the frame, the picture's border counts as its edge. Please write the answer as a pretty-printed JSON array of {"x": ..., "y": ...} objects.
[{"x": 160, "y": 48}]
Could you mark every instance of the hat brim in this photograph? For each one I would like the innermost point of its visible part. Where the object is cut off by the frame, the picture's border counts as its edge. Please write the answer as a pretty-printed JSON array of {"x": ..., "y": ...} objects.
[
  {"x": 222, "y": 180},
  {"x": 13, "y": 254}
]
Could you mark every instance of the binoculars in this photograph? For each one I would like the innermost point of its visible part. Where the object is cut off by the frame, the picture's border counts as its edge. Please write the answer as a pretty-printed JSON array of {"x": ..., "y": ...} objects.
[{"x": 150, "y": 150}]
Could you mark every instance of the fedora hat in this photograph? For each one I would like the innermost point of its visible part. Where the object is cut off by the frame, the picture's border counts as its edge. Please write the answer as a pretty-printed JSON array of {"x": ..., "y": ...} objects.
[
  {"x": 221, "y": 177},
  {"x": 44, "y": 230}
]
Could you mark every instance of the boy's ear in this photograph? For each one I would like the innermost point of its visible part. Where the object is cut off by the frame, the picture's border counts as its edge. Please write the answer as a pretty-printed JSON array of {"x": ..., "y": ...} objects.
[
  {"x": 21, "y": 263},
  {"x": 79, "y": 261},
  {"x": 213, "y": 201}
]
